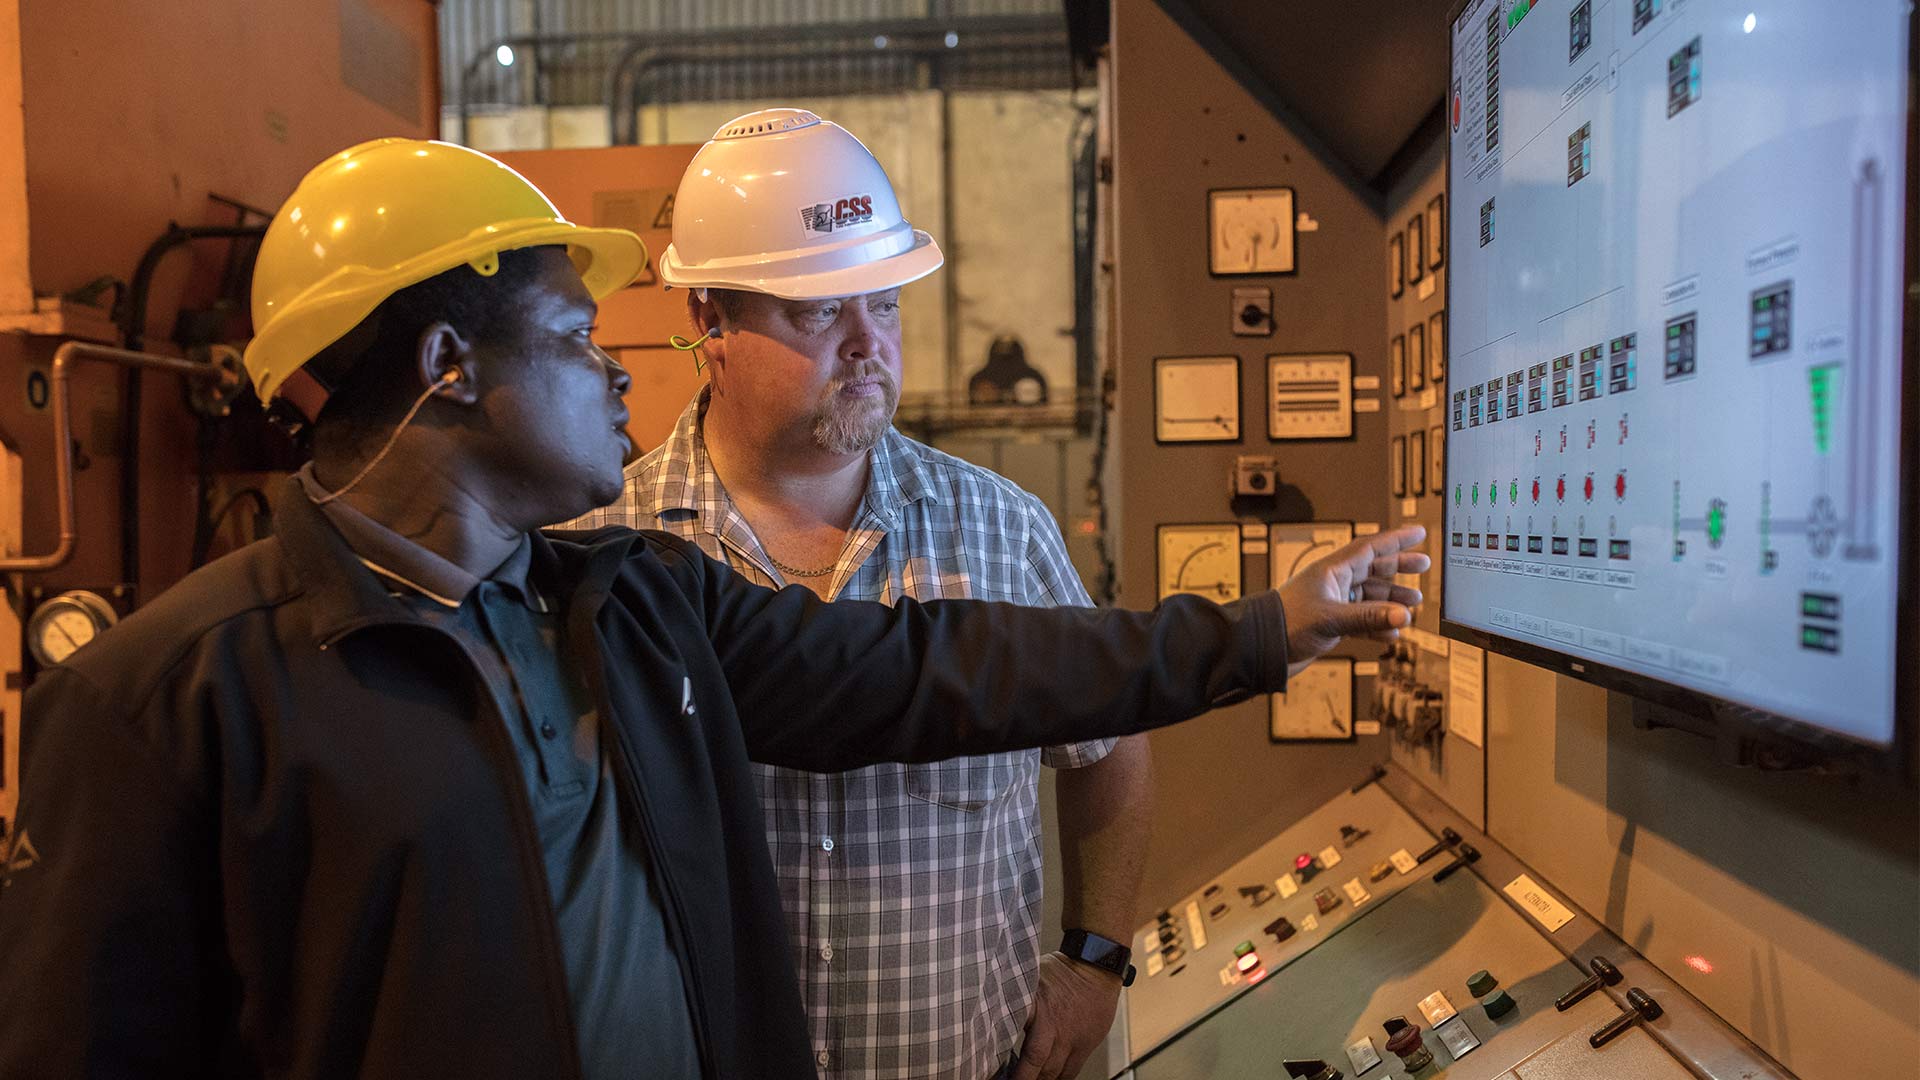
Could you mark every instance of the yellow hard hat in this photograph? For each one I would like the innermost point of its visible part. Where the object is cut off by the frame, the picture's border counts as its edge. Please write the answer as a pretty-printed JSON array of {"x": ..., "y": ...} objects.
[{"x": 383, "y": 215}]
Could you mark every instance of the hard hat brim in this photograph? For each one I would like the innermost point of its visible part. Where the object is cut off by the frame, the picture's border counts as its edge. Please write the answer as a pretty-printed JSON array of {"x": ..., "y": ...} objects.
[
  {"x": 608, "y": 260},
  {"x": 908, "y": 266}
]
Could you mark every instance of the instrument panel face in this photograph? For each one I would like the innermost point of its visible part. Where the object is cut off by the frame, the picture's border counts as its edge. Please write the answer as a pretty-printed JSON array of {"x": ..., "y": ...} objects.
[
  {"x": 1430, "y": 937},
  {"x": 1188, "y": 953}
]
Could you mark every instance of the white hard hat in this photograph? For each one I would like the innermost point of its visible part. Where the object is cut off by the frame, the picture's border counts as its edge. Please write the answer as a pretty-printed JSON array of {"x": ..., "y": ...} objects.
[{"x": 782, "y": 202}]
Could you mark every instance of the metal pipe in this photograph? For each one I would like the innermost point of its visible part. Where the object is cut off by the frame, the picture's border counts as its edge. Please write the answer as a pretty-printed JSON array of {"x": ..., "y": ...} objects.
[{"x": 64, "y": 358}]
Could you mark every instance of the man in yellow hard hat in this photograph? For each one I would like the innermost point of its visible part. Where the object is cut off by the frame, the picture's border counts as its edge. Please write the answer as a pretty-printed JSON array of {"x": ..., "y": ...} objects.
[
  {"x": 787, "y": 467},
  {"x": 411, "y": 789}
]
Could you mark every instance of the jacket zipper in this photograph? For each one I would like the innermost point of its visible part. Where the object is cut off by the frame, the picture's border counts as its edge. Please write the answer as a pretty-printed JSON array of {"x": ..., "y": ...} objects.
[
  {"x": 527, "y": 843},
  {"x": 628, "y": 779}
]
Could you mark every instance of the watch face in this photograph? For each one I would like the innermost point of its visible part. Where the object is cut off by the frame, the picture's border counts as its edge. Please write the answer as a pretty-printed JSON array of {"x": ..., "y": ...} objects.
[{"x": 1101, "y": 952}]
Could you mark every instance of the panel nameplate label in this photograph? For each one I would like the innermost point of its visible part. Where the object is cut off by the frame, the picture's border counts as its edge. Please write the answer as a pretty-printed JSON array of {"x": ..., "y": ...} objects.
[{"x": 1539, "y": 903}]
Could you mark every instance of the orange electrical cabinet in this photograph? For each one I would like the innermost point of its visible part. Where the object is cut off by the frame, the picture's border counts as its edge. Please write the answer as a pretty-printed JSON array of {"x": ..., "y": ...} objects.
[{"x": 630, "y": 187}]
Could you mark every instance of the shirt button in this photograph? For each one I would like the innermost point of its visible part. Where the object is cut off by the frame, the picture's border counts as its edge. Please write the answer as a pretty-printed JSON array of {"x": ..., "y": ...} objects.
[
  {"x": 548, "y": 731},
  {"x": 821, "y": 1058},
  {"x": 826, "y": 844},
  {"x": 826, "y": 952}
]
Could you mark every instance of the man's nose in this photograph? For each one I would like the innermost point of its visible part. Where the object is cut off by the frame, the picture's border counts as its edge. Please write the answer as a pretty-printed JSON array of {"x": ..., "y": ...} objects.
[{"x": 617, "y": 376}]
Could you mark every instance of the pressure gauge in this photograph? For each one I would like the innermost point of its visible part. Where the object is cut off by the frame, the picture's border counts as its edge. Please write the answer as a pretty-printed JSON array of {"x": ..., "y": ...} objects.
[
  {"x": 1200, "y": 559},
  {"x": 61, "y": 626}
]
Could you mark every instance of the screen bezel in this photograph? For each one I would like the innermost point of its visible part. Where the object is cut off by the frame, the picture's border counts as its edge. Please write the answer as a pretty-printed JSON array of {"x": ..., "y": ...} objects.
[{"x": 1902, "y": 753}]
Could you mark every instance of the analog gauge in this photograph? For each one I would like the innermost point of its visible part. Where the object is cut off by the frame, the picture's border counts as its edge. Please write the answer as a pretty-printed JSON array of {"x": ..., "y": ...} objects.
[
  {"x": 1293, "y": 546},
  {"x": 1318, "y": 703},
  {"x": 1200, "y": 559},
  {"x": 63, "y": 625}
]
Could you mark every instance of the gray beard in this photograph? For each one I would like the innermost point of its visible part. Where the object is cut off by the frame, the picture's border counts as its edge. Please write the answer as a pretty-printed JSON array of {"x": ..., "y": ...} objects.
[{"x": 855, "y": 430}]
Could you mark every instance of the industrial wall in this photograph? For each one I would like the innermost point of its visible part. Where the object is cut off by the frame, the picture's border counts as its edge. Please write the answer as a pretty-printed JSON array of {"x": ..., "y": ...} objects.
[
  {"x": 1229, "y": 789},
  {"x": 131, "y": 115}
]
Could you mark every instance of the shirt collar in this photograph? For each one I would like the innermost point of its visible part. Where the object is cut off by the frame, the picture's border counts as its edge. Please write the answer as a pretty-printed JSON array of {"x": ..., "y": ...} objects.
[{"x": 400, "y": 561}]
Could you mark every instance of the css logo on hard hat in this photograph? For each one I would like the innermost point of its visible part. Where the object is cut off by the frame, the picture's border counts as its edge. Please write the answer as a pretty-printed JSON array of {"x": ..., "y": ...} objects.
[{"x": 845, "y": 213}]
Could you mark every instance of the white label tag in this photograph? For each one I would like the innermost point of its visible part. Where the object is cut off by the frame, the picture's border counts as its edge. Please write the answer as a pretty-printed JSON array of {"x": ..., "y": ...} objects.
[
  {"x": 1253, "y": 530},
  {"x": 1366, "y": 667},
  {"x": 1329, "y": 857},
  {"x": 1429, "y": 398},
  {"x": 1366, "y": 727},
  {"x": 1362, "y": 1056},
  {"x": 1457, "y": 1037},
  {"x": 1409, "y": 507},
  {"x": 1404, "y": 861},
  {"x": 1425, "y": 291},
  {"x": 1310, "y": 923},
  {"x": 1365, "y": 528},
  {"x": 1253, "y": 547},
  {"x": 1286, "y": 885},
  {"x": 1437, "y": 1009},
  {"x": 1537, "y": 902},
  {"x": 1197, "y": 930},
  {"x": 1366, "y": 382},
  {"x": 1366, "y": 404},
  {"x": 1357, "y": 892},
  {"x": 1154, "y": 964}
]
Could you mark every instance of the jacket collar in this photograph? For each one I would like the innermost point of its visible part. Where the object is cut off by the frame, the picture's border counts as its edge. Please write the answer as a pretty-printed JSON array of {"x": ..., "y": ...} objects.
[{"x": 344, "y": 595}]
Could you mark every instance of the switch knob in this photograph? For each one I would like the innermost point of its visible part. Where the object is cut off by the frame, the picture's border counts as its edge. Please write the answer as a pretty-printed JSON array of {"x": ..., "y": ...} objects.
[
  {"x": 1403, "y": 1038},
  {"x": 1467, "y": 854},
  {"x": 1448, "y": 838},
  {"x": 1640, "y": 1007},
  {"x": 1481, "y": 983},
  {"x": 1498, "y": 1004},
  {"x": 1280, "y": 928},
  {"x": 1603, "y": 973}
]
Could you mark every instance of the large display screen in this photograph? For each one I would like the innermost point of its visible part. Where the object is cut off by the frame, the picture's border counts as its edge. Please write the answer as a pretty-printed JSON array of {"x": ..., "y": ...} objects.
[{"x": 1676, "y": 378}]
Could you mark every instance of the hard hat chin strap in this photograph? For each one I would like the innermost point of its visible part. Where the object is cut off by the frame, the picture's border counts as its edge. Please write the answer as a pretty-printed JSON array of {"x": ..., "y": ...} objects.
[{"x": 446, "y": 381}]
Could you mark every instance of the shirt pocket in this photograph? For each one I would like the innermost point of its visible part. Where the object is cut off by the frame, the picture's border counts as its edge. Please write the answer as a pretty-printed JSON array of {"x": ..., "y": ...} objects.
[{"x": 968, "y": 783}]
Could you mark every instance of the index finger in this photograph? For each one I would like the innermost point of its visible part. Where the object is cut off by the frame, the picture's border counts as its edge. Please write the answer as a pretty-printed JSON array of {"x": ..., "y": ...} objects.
[{"x": 1358, "y": 557}]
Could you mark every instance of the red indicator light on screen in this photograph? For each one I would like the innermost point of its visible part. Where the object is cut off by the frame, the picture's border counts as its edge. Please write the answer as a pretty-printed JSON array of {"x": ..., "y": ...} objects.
[
  {"x": 1303, "y": 862},
  {"x": 1700, "y": 964},
  {"x": 1248, "y": 962}
]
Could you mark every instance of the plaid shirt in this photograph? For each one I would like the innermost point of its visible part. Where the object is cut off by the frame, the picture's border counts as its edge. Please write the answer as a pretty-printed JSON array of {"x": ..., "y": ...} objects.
[{"x": 912, "y": 892}]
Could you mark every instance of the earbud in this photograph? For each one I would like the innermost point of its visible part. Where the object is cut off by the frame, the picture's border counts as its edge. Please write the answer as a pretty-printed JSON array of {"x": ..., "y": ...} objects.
[{"x": 450, "y": 378}]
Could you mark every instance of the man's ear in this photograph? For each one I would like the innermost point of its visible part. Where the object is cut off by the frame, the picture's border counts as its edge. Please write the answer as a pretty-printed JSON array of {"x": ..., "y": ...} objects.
[
  {"x": 709, "y": 320},
  {"x": 445, "y": 361}
]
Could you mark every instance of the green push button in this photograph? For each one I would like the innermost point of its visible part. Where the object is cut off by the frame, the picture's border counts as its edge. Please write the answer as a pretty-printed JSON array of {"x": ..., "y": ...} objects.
[{"x": 1242, "y": 949}]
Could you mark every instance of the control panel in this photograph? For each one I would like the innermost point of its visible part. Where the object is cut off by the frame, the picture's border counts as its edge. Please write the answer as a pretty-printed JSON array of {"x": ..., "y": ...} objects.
[{"x": 1202, "y": 951}]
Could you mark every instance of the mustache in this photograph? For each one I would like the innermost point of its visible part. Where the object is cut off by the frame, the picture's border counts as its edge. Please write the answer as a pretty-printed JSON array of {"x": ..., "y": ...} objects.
[{"x": 869, "y": 371}]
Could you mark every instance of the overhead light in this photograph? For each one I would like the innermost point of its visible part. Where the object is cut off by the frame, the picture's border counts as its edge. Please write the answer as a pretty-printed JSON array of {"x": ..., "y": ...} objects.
[
  {"x": 504, "y": 54},
  {"x": 879, "y": 41},
  {"x": 1750, "y": 23},
  {"x": 953, "y": 40}
]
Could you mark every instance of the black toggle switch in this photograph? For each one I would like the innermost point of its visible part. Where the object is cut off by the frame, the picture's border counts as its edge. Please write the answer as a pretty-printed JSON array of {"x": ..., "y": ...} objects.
[
  {"x": 1280, "y": 928},
  {"x": 1350, "y": 836},
  {"x": 1642, "y": 1007},
  {"x": 1467, "y": 854},
  {"x": 1311, "y": 1070},
  {"x": 1448, "y": 838},
  {"x": 1603, "y": 973}
]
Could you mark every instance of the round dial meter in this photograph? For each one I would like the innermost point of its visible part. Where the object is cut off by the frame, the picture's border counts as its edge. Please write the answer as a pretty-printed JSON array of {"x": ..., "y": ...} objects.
[{"x": 63, "y": 625}]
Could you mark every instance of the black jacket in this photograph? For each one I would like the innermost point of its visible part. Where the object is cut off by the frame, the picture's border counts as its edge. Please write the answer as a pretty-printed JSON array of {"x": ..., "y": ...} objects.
[{"x": 280, "y": 830}]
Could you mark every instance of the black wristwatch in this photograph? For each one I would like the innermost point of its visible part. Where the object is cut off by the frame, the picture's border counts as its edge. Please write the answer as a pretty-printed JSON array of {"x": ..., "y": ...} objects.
[{"x": 1103, "y": 953}]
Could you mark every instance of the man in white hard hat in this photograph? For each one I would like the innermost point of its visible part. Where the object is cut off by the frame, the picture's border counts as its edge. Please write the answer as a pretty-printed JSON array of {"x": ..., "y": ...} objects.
[{"x": 792, "y": 244}]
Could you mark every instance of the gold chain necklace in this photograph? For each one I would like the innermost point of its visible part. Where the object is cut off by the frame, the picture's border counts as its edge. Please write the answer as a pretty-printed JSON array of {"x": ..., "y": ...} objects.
[{"x": 794, "y": 571}]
